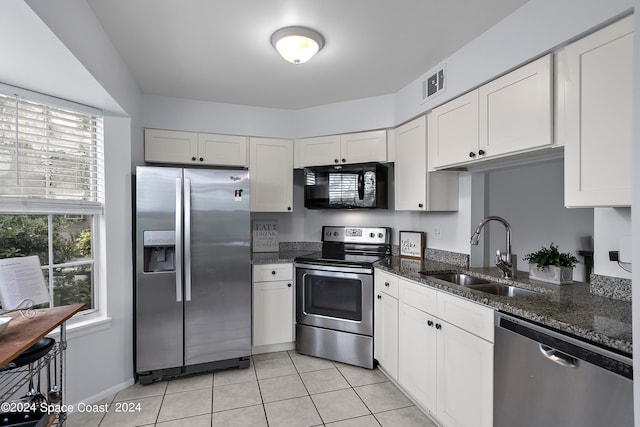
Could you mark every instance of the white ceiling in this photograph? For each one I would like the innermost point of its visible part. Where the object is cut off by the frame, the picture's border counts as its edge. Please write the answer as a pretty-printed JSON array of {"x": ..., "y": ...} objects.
[{"x": 220, "y": 51}]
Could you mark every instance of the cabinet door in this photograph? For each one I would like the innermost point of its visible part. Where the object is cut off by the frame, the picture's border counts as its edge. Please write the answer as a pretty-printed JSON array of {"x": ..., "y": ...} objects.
[
  {"x": 464, "y": 378},
  {"x": 595, "y": 116},
  {"x": 167, "y": 146},
  {"x": 319, "y": 151},
  {"x": 416, "y": 189},
  {"x": 222, "y": 150},
  {"x": 385, "y": 333},
  {"x": 453, "y": 131},
  {"x": 363, "y": 147},
  {"x": 385, "y": 282},
  {"x": 271, "y": 171},
  {"x": 272, "y": 313},
  {"x": 417, "y": 355},
  {"x": 516, "y": 110},
  {"x": 410, "y": 166}
]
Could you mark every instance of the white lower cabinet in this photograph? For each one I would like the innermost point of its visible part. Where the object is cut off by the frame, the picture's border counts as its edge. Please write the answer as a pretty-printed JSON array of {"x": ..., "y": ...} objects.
[
  {"x": 446, "y": 369},
  {"x": 273, "y": 320},
  {"x": 464, "y": 378},
  {"x": 385, "y": 342},
  {"x": 417, "y": 355}
]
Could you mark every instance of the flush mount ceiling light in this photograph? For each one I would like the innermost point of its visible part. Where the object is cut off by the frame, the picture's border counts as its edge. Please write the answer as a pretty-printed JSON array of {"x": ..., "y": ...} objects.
[{"x": 297, "y": 44}]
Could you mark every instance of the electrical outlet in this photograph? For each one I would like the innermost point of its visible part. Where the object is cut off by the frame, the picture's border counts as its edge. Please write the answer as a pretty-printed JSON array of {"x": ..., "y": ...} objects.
[{"x": 437, "y": 233}]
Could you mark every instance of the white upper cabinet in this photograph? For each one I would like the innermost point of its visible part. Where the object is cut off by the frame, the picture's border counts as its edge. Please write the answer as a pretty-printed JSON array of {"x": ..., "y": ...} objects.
[
  {"x": 223, "y": 150},
  {"x": 416, "y": 189},
  {"x": 271, "y": 172},
  {"x": 176, "y": 147},
  {"x": 453, "y": 131},
  {"x": 168, "y": 146},
  {"x": 361, "y": 147},
  {"x": 509, "y": 115},
  {"x": 594, "y": 118},
  {"x": 317, "y": 151},
  {"x": 516, "y": 111}
]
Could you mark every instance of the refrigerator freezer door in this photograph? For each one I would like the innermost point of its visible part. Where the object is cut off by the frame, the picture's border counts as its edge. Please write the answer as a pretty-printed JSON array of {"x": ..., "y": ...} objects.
[
  {"x": 159, "y": 311},
  {"x": 217, "y": 318}
]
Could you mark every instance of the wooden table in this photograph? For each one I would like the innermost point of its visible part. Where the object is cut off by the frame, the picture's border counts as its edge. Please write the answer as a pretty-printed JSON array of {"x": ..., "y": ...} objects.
[{"x": 23, "y": 332}]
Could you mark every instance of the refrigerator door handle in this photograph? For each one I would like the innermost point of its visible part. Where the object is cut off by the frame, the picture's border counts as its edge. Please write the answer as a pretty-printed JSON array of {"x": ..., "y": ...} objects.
[
  {"x": 178, "y": 226},
  {"x": 187, "y": 239}
]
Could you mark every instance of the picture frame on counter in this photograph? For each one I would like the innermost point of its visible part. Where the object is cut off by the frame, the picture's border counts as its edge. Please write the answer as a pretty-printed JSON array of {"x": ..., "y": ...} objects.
[{"x": 412, "y": 244}]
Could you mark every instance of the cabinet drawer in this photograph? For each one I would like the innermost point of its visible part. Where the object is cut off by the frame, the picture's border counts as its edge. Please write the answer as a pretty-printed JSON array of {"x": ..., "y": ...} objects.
[
  {"x": 418, "y": 296},
  {"x": 466, "y": 315},
  {"x": 387, "y": 283},
  {"x": 272, "y": 272}
]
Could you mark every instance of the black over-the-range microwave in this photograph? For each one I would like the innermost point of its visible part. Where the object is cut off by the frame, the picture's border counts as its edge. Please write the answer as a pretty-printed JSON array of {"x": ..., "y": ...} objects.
[{"x": 355, "y": 186}]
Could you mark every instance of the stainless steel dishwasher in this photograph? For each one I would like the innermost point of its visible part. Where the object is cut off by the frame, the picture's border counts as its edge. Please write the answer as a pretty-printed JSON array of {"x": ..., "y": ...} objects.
[{"x": 545, "y": 378}]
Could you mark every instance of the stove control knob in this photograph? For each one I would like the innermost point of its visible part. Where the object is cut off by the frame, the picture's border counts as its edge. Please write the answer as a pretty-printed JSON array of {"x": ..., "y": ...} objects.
[
  {"x": 380, "y": 235},
  {"x": 335, "y": 233},
  {"x": 372, "y": 235}
]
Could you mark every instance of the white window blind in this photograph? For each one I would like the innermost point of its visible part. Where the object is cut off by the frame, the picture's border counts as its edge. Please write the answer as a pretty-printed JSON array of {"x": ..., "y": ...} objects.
[{"x": 50, "y": 152}]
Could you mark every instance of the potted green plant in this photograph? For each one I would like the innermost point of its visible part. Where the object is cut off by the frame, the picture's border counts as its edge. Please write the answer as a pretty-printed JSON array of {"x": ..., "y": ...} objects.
[{"x": 550, "y": 265}]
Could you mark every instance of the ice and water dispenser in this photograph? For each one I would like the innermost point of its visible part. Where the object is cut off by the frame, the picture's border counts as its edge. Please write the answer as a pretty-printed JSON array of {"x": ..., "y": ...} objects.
[{"x": 159, "y": 250}]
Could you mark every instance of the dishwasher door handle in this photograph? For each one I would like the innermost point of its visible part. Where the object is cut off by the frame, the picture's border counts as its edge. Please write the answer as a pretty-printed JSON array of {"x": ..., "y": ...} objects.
[{"x": 558, "y": 357}]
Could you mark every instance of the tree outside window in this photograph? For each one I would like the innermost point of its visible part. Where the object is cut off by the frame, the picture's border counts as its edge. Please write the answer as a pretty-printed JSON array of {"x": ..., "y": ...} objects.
[{"x": 64, "y": 245}]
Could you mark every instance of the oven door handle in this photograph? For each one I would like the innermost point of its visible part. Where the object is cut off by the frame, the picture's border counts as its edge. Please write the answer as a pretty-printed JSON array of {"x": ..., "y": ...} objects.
[{"x": 335, "y": 268}]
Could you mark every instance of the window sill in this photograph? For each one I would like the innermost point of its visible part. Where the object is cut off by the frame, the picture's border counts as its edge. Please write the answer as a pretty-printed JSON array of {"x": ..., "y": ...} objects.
[{"x": 80, "y": 327}]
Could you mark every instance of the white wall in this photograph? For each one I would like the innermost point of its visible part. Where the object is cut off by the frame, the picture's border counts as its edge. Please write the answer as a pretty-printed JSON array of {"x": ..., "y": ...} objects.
[
  {"x": 100, "y": 359},
  {"x": 531, "y": 199}
]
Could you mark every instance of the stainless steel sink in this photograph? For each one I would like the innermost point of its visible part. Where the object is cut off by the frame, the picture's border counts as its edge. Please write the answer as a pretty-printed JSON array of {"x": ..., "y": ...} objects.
[
  {"x": 479, "y": 284},
  {"x": 502, "y": 290},
  {"x": 460, "y": 279}
]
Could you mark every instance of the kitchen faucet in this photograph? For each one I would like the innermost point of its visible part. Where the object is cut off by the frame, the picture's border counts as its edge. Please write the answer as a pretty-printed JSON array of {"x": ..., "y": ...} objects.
[{"x": 505, "y": 262}]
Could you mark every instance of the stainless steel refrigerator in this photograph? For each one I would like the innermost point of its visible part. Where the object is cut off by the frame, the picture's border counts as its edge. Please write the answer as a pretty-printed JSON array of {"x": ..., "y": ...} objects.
[{"x": 193, "y": 272}]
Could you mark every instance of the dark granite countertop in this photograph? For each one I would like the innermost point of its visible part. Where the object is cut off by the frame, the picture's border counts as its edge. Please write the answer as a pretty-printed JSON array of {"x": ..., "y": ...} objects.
[
  {"x": 568, "y": 308},
  {"x": 281, "y": 257}
]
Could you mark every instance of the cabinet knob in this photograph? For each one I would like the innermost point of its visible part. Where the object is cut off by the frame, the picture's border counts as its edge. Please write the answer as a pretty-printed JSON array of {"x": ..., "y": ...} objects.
[
  {"x": 386, "y": 284},
  {"x": 289, "y": 285},
  {"x": 430, "y": 323},
  {"x": 438, "y": 326},
  {"x": 289, "y": 208},
  {"x": 193, "y": 158},
  {"x": 481, "y": 152},
  {"x": 336, "y": 160},
  {"x": 273, "y": 272},
  {"x": 379, "y": 296},
  {"x": 202, "y": 159},
  {"x": 420, "y": 205},
  {"x": 472, "y": 154},
  {"x": 344, "y": 160}
]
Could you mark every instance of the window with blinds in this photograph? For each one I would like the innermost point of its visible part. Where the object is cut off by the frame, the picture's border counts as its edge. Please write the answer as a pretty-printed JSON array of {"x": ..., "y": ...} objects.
[
  {"x": 52, "y": 191},
  {"x": 49, "y": 152}
]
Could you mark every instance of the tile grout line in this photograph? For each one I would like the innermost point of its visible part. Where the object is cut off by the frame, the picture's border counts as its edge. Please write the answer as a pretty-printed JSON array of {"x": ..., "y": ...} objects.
[
  {"x": 307, "y": 389},
  {"x": 264, "y": 409}
]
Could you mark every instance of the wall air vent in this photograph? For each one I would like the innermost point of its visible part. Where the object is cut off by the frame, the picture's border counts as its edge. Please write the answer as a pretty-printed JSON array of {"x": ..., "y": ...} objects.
[{"x": 435, "y": 84}]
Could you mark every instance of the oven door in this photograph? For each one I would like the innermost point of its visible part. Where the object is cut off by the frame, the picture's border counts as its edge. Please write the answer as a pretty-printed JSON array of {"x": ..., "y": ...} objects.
[{"x": 339, "y": 300}]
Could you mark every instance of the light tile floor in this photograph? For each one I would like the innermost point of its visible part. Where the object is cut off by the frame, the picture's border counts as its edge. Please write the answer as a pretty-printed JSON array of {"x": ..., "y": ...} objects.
[{"x": 283, "y": 389}]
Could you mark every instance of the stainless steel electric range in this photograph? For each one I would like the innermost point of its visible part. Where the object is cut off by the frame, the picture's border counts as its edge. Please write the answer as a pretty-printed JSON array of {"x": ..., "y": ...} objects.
[{"x": 334, "y": 294}]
